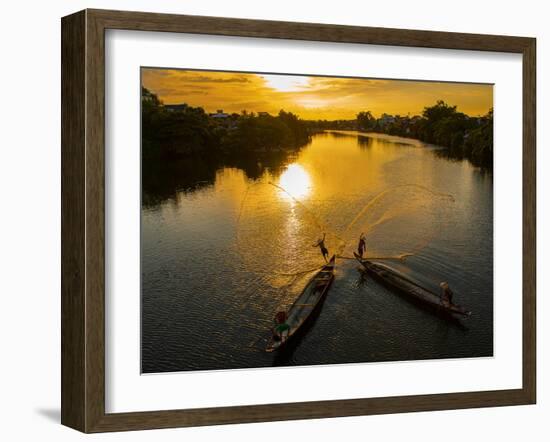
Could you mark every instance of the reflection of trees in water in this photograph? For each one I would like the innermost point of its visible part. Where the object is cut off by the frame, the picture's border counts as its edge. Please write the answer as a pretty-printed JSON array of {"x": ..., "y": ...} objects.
[
  {"x": 163, "y": 179},
  {"x": 364, "y": 142},
  {"x": 448, "y": 155},
  {"x": 458, "y": 155},
  {"x": 340, "y": 134}
]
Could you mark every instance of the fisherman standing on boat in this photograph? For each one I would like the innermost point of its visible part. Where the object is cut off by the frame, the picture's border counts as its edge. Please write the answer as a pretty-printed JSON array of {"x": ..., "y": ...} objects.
[
  {"x": 446, "y": 294},
  {"x": 362, "y": 246},
  {"x": 321, "y": 245},
  {"x": 281, "y": 329}
]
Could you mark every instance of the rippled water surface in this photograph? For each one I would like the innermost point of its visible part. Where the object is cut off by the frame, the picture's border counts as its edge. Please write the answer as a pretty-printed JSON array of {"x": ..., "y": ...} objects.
[{"x": 224, "y": 248}]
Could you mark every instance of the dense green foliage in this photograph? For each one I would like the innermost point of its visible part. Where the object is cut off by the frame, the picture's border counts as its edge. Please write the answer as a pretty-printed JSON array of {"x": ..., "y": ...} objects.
[
  {"x": 173, "y": 133},
  {"x": 365, "y": 120},
  {"x": 181, "y": 131},
  {"x": 478, "y": 145},
  {"x": 462, "y": 136}
]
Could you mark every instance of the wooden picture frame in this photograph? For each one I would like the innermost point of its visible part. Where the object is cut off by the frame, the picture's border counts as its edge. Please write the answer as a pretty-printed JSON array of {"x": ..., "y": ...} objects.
[{"x": 83, "y": 219}]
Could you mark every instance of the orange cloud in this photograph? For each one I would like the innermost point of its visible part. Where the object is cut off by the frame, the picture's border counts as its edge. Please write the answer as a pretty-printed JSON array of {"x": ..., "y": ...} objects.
[{"x": 308, "y": 96}]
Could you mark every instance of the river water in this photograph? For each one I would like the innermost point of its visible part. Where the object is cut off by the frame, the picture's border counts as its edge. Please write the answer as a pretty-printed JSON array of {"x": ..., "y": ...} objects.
[{"x": 225, "y": 247}]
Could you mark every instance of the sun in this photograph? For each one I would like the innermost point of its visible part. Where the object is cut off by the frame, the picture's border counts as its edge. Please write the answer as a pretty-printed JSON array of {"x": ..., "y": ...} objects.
[
  {"x": 296, "y": 183},
  {"x": 286, "y": 83}
]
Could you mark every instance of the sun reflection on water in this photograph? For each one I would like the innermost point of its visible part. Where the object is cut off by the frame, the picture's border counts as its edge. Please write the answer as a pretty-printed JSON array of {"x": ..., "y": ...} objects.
[{"x": 296, "y": 182}]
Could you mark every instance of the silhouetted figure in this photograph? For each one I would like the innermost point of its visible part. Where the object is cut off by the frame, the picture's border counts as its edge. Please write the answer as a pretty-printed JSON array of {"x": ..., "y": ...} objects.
[
  {"x": 362, "y": 246},
  {"x": 446, "y": 294},
  {"x": 321, "y": 245},
  {"x": 281, "y": 328}
]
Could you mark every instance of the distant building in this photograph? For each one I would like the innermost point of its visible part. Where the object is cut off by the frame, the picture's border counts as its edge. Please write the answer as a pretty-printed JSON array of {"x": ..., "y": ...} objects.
[
  {"x": 219, "y": 114},
  {"x": 263, "y": 114},
  {"x": 175, "y": 107},
  {"x": 386, "y": 119}
]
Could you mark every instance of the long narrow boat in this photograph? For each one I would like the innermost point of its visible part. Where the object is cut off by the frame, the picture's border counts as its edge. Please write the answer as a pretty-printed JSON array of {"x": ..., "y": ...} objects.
[
  {"x": 304, "y": 306},
  {"x": 397, "y": 282}
]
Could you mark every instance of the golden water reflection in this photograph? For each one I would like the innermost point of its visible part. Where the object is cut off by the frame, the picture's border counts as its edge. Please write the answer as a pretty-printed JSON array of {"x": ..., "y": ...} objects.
[
  {"x": 295, "y": 183},
  {"x": 219, "y": 260}
]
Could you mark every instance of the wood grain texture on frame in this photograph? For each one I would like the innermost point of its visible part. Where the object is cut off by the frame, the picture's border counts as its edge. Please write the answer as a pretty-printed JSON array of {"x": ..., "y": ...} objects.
[{"x": 83, "y": 219}]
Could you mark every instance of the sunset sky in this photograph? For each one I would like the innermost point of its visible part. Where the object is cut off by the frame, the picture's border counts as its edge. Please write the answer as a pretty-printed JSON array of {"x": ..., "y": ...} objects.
[{"x": 310, "y": 97}]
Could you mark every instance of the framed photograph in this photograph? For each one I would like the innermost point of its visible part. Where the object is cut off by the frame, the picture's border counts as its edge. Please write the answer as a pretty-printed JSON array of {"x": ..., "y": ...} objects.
[{"x": 267, "y": 221}]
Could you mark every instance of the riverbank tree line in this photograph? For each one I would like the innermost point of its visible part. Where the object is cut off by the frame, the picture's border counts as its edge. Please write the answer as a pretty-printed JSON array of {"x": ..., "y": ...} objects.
[
  {"x": 461, "y": 135},
  {"x": 175, "y": 131},
  {"x": 178, "y": 131}
]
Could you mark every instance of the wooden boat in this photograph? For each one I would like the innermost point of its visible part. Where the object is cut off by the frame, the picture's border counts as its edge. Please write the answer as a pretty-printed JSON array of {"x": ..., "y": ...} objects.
[
  {"x": 414, "y": 292},
  {"x": 304, "y": 306}
]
